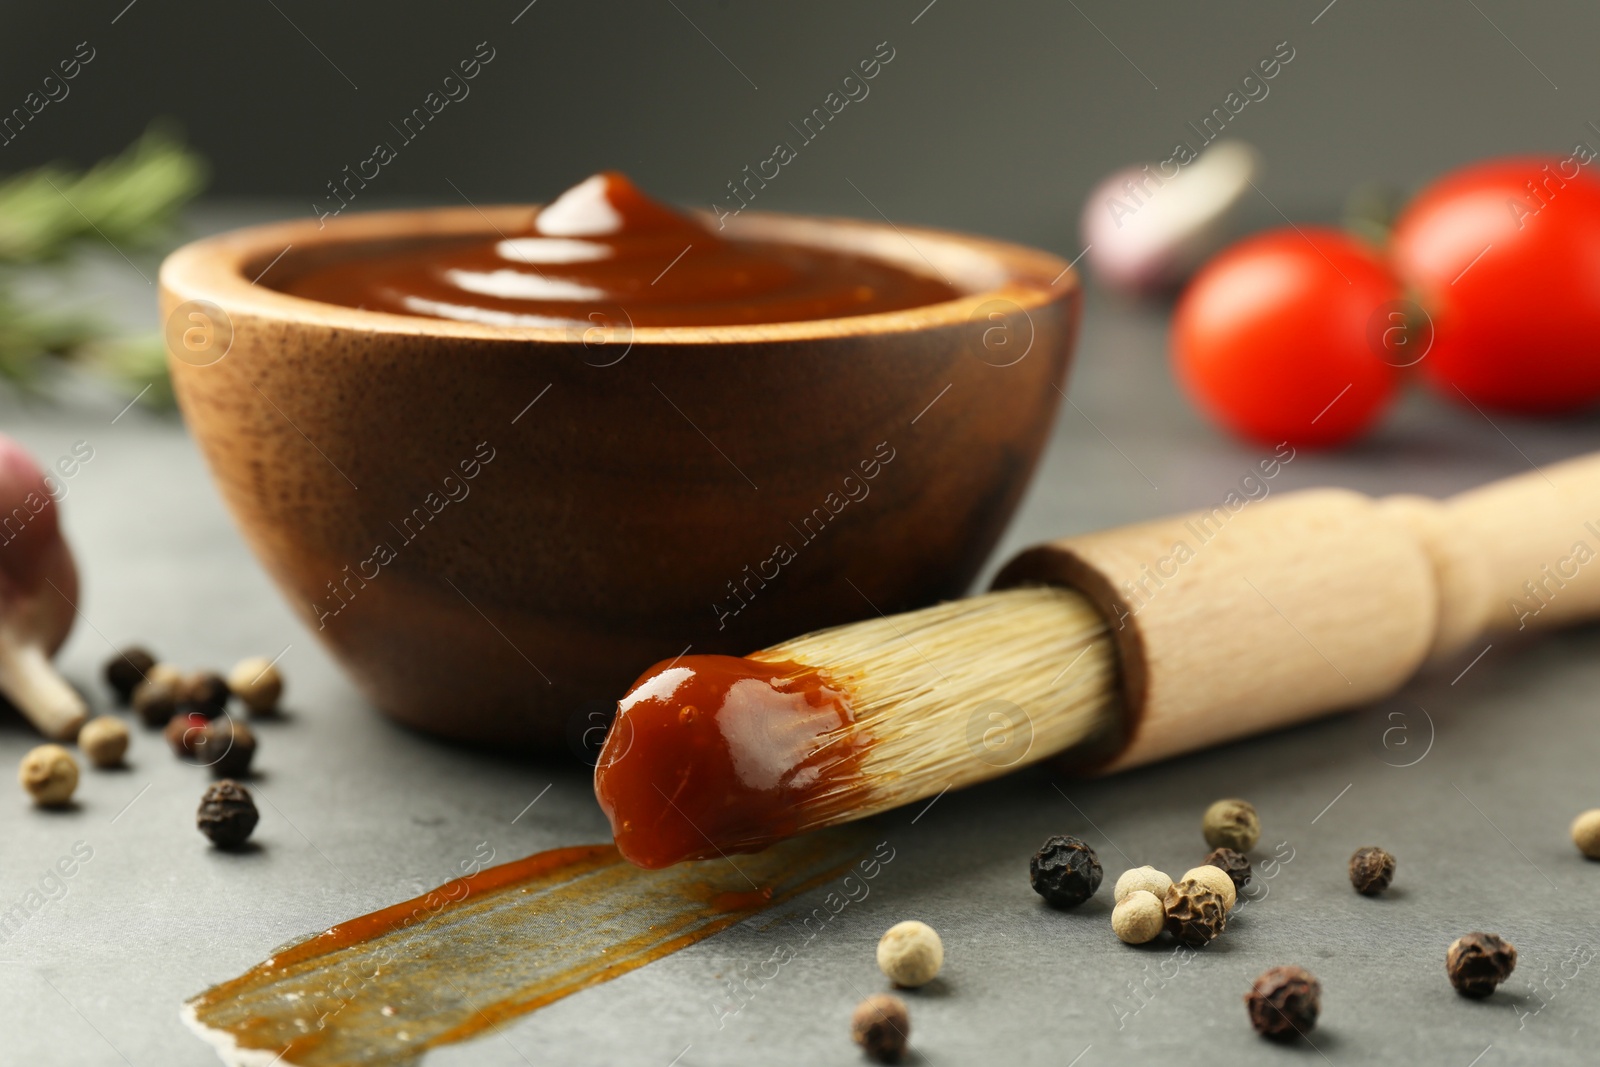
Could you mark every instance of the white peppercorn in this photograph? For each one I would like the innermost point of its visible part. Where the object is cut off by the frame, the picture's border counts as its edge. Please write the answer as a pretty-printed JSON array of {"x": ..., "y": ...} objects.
[
  {"x": 165, "y": 674},
  {"x": 1146, "y": 878},
  {"x": 910, "y": 953},
  {"x": 257, "y": 683},
  {"x": 1215, "y": 879},
  {"x": 1586, "y": 833},
  {"x": 1139, "y": 917},
  {"x": 104, "y": 740},
  {"x": 49, "y": 774}
]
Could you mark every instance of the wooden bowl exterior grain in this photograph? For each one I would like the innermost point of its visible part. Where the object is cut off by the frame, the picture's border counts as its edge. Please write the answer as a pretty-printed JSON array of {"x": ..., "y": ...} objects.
[{"x": 633, "y": 493}]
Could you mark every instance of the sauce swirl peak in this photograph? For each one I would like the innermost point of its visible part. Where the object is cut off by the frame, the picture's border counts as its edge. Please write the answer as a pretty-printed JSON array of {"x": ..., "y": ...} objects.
[{"x": 605, "y": 248}]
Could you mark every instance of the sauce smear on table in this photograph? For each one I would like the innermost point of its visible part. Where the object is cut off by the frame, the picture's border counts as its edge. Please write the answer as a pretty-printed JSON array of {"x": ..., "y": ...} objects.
[
  {"x": 604, "y": 255},
  {"x": 383, "y": 988}
]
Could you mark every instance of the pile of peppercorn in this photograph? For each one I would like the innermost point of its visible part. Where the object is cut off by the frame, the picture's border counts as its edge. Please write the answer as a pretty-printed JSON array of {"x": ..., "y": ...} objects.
[
  {"x": 1285, "y": 1001},
  {"x": 910, "y": 955},
  {"x": 191, "y": 709}
]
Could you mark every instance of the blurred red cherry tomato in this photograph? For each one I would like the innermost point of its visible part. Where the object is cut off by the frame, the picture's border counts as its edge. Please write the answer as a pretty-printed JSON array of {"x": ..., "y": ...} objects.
[
  {"x": 1274, "y": 338},
  {"x": 1505, "y": 257}
]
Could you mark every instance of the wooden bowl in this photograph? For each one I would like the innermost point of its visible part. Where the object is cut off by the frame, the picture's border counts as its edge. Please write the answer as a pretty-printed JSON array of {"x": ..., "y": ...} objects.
[{"x": 496, "y": 530}]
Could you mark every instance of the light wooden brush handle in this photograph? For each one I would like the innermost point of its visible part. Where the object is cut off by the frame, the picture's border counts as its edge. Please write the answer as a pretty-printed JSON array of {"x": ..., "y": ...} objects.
[{"x": 1249, "y": 617}]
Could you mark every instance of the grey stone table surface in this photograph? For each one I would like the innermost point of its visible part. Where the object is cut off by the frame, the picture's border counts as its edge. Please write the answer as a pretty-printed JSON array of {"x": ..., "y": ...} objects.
[{"x": 1470, "y": 776}]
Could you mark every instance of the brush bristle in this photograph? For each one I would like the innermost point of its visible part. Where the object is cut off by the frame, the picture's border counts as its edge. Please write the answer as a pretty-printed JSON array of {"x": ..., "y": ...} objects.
[{"x": 957, "y": 694}]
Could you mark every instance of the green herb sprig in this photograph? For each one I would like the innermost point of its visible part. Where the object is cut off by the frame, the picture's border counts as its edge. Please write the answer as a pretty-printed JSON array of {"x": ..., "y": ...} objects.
[{"x": 49, "y": 215}]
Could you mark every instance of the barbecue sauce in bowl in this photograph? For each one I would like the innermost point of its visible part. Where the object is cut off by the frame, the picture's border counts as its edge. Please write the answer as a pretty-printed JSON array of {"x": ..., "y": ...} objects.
[{"x": 603, "y": 246}]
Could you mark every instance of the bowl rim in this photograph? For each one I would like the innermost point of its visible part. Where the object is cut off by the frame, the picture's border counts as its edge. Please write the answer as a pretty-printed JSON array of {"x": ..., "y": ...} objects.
[{"x": 226, "y": 269}]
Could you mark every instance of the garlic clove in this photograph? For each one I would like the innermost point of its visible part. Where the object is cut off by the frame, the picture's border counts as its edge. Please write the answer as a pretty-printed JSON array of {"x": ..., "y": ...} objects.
[
  {"x": 38, "y": 595},
  {"x": 1147, "y": 233}
]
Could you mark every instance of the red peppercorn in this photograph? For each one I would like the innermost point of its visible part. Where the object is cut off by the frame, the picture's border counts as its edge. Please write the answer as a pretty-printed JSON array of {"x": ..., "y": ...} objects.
[
  {"x": 186, "y": 734},
  {"x": 1478, "y": 962},
  {"x": 1371, "y": 870},
  {"x": 881, "y": 1025},
  {"x": 1284, "y": 1002}
]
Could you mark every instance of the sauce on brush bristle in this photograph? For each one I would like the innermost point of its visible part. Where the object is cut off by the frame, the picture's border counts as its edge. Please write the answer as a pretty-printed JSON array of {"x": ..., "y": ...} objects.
[{"x": 711, "y": 755}]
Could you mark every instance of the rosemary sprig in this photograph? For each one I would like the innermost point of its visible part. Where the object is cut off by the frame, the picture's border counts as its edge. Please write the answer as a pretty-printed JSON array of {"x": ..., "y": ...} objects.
[{"x": 46, "y": 215}]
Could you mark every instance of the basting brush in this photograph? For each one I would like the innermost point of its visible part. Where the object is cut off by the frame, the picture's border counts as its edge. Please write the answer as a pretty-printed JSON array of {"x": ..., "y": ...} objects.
[{"x": 1107, "y": 650}]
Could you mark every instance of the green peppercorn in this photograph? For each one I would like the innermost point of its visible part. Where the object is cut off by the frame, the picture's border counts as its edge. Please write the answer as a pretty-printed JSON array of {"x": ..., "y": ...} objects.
[{"x": 1232, "y": 823}]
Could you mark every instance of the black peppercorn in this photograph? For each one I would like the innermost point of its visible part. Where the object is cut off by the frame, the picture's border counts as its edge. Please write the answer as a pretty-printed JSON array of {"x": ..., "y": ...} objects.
[
  {"x": 1371, "y": 870},
  {"x": 1196, "y": 915},
  {"x": 1065, "y": 871},
  {"x": 227, "y": 814},
  {"x": 881, "y": 1025},
  {"x": 1478, "y": 962},
  {"x": 155, "y": 700},
  {"x": 1284, "y": 1002},
  {"x": 126, "y": 670},
  {"x": 1235, "y": 864},
  {"x": 204, "y": 693},
  {"x": 227, "y": 747}
]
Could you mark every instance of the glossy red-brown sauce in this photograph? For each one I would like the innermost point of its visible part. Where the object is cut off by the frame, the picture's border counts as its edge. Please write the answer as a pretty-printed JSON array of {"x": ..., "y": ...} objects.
[
  {"x": 398, "y": 916},
  {"x": 485, "y": 948},
  {"x": 711, "y": 755},
  {"x": 604, "y": 255}
]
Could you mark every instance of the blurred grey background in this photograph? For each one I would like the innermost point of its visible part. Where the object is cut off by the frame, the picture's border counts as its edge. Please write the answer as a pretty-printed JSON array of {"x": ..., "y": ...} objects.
[{"x": 992, "y": 117}]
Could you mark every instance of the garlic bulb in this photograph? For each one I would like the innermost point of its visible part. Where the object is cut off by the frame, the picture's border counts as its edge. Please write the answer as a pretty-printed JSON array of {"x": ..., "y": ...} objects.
[
  {"x": 38, "y": 596},
  {"x": 1148, "y": 227}
]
